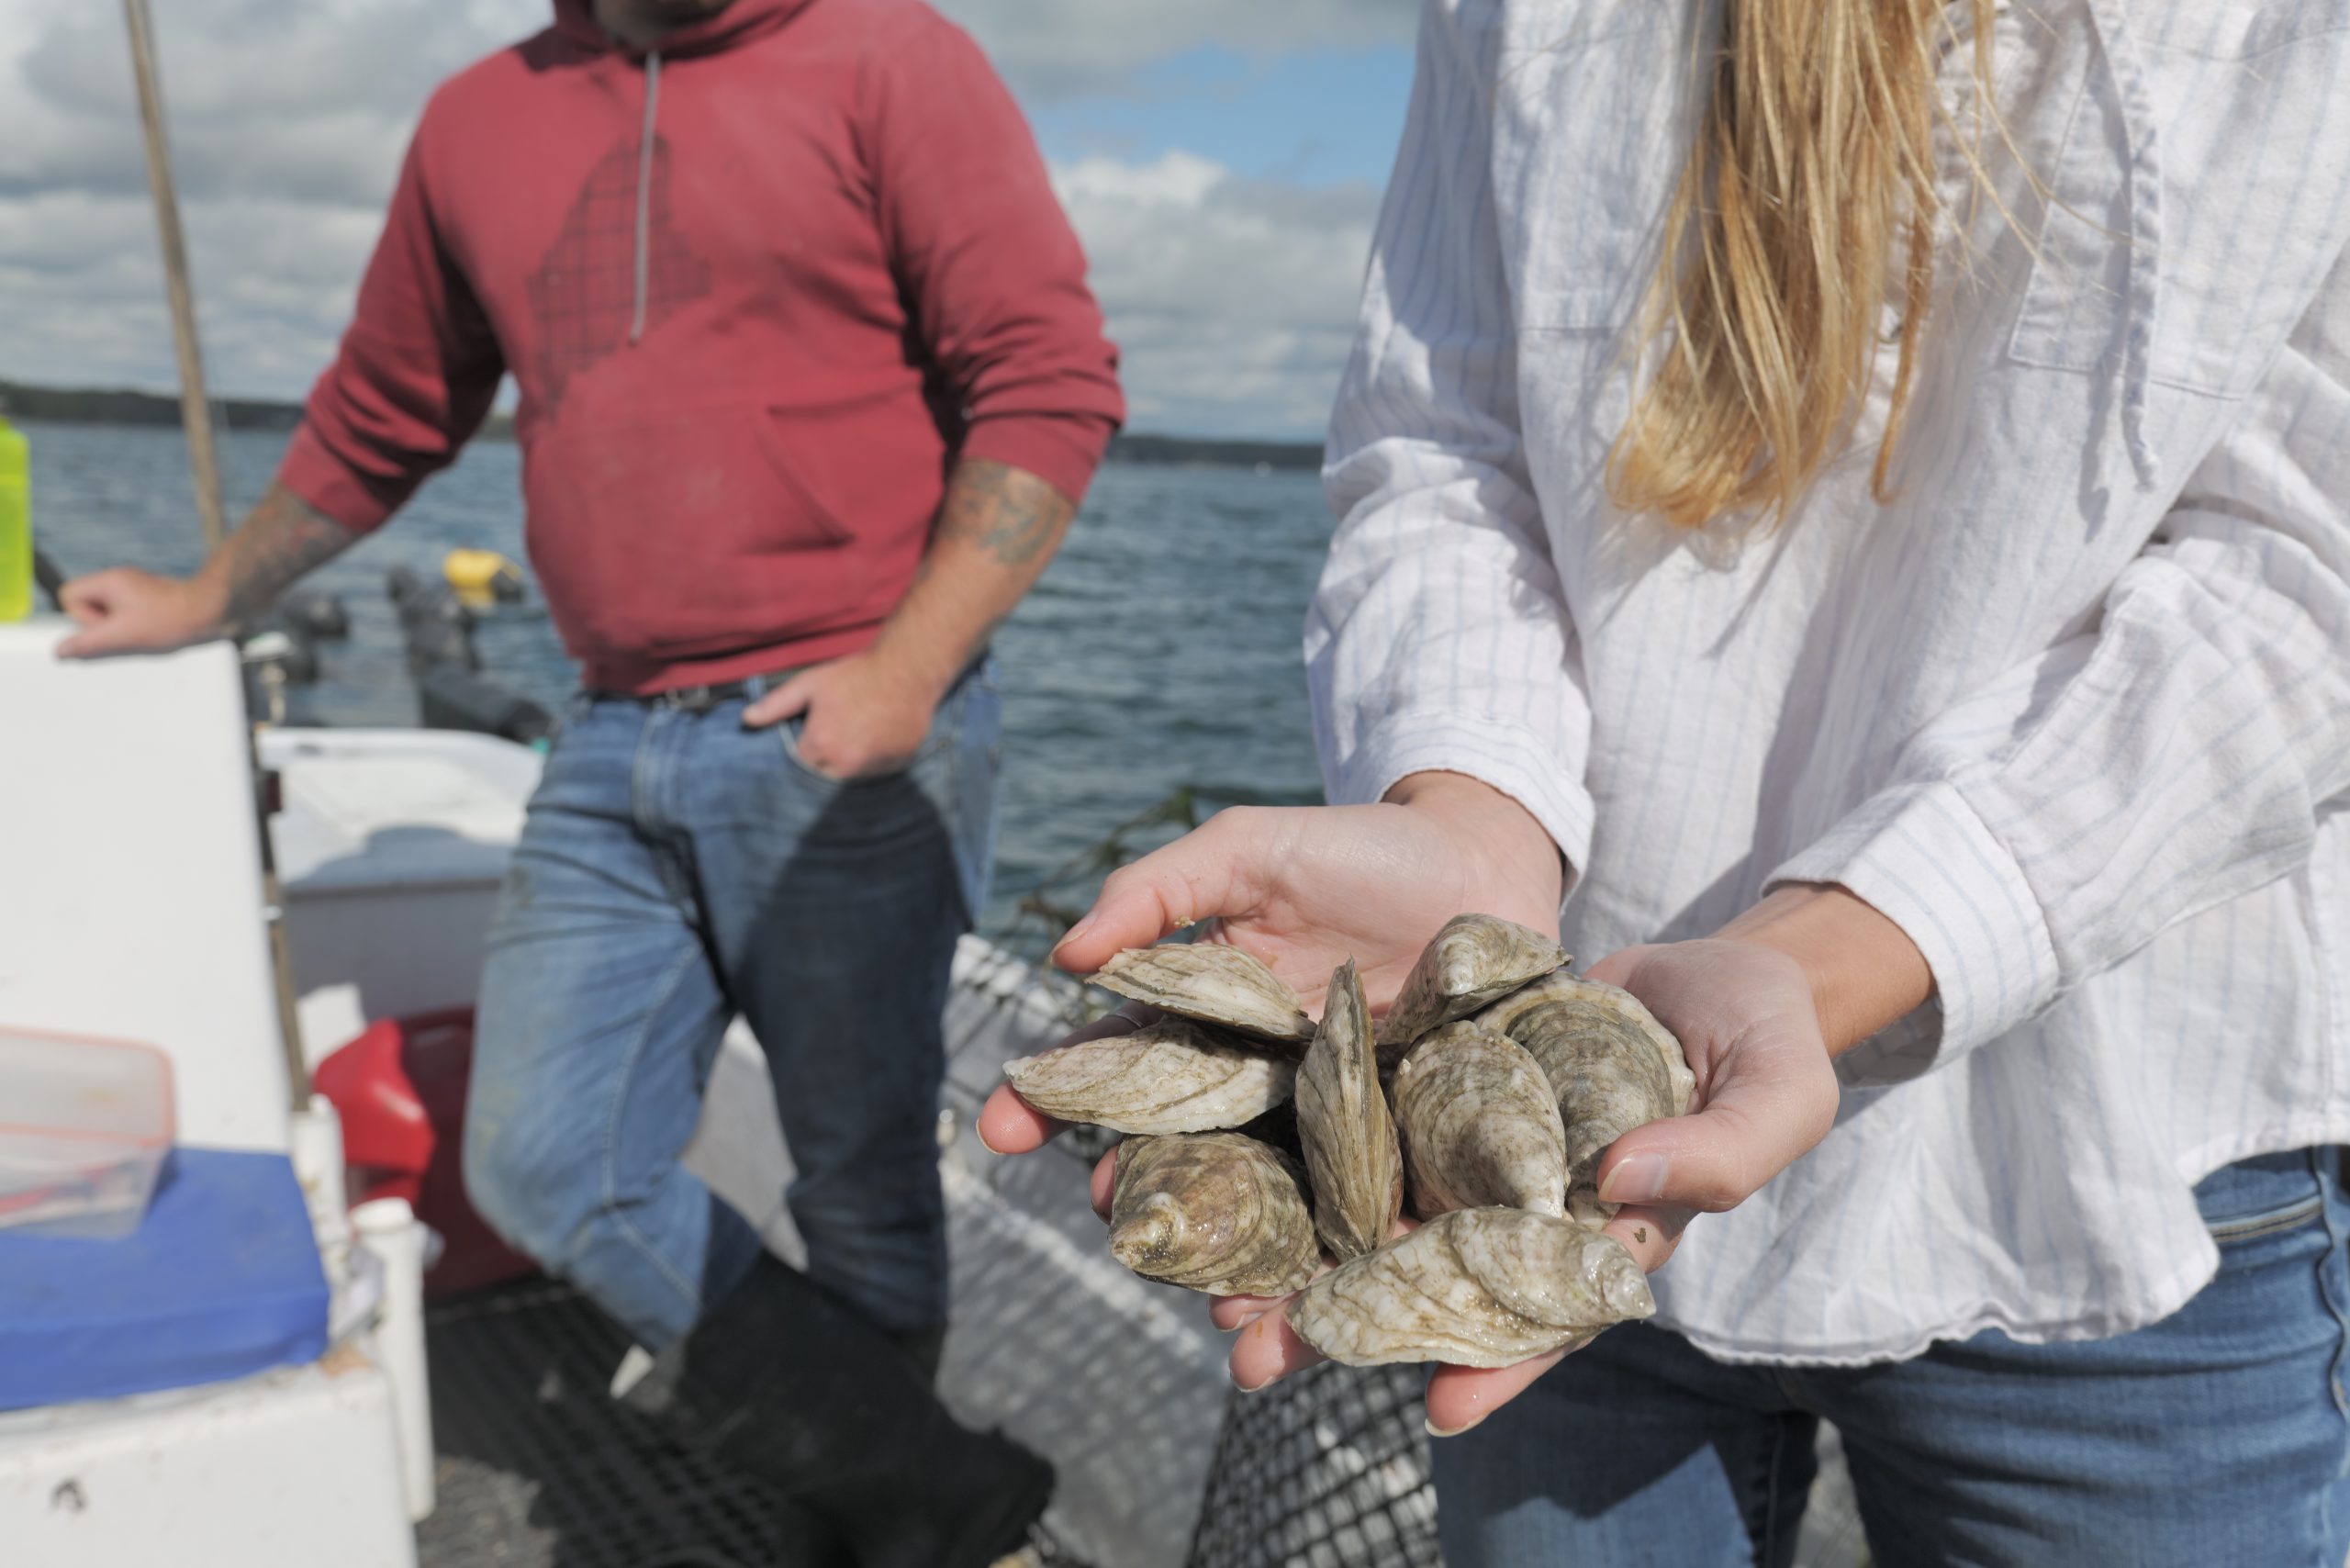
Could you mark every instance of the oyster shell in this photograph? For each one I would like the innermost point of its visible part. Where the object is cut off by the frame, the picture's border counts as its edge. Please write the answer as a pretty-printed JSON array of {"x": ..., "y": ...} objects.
[
  {"x": 1611, "y": 1064},
  {"x": 1173, "y": 1076},
  {"x": 1214, "y": 1212},
  {"x": 1474, "y": 960},
  {"x": 1477, "y": 1288},
  {"x": 1213, "y": 983},
  {"x": 1342, "y": 1118},
  {"x": 1479, "y": 1124}
]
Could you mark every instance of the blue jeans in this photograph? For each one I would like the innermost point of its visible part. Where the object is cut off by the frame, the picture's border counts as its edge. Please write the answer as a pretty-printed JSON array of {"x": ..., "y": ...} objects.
[
  {"x": 677, "y": 869},
  {"x": 2216, "y": 1436}
]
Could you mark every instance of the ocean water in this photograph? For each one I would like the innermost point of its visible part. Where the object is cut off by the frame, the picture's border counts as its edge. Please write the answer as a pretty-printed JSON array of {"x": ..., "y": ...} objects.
[{"x": 1160, "y": 652}]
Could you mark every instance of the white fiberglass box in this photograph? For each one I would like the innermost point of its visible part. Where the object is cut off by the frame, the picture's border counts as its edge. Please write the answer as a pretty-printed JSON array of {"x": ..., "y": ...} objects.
[
  {"x": 391, "y": 848},
  {"x": 131, "y": 884}
]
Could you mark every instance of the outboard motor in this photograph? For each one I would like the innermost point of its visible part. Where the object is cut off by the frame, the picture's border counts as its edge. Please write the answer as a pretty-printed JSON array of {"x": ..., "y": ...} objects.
[
  {"x": 316, "y": 614},
  {"x": 451, "y": 692},
  {"x": 437, "y": 630}
]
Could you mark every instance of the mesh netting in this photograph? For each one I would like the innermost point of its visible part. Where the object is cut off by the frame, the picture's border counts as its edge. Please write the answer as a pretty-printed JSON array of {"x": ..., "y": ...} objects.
[{"x": 1327, "y": 1468}]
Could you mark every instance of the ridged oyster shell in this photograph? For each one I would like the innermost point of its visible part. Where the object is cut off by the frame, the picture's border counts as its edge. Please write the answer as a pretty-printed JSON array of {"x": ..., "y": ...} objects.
[
  {"x": 1213, "y": 983},
  {"x": 1477, "y": 1288},
  {"x": 1479, "y": 1124},
  {"x": 1474, "y": 960},
  {"x": 1611, "y": 1064},
  {"x": 1173, "y": 1076},
  {"x": 1343, "y": 1120},
  {"x": 1214, "y": 1212}
]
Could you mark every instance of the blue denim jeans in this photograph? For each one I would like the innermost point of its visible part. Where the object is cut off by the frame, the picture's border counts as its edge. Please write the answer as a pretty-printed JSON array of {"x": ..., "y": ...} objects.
[
  {"x": 677, "y": 869},
  {"x": 2216, "y": 1435}
]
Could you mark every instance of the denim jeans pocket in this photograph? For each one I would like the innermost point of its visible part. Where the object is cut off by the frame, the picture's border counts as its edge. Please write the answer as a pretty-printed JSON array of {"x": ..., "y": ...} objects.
[
  {"x": 2266, "y": 1195},
  {"x": 2251, "y": 1227}
]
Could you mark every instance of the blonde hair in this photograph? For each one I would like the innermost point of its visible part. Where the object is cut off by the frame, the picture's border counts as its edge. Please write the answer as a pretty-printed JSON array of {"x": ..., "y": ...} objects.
[{"x": 1814, "y": 155}]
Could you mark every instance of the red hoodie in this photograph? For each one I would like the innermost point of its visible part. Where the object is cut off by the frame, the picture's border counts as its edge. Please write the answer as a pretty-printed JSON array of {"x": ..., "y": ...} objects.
[{"x": 759, "y": 287}]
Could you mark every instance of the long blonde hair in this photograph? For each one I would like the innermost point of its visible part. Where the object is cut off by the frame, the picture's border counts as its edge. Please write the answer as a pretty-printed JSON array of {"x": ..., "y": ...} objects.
[{"x": 1812, "y": 177}]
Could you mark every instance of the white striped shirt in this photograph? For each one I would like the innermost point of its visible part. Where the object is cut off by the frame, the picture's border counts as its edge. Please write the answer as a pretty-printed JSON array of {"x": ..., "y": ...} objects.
[{"x": 2074, "y": 709}]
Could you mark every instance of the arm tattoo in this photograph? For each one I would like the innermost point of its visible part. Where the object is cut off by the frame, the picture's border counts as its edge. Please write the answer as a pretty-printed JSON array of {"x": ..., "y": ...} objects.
[
  {"x": 283, "y": 538},
  {"x": 1012, "y": 515}
]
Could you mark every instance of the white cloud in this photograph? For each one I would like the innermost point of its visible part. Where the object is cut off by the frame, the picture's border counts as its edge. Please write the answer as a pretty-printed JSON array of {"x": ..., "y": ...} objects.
[
  {"x": 1232, "y": 298},
  {"x": 1051, "y": 48}
]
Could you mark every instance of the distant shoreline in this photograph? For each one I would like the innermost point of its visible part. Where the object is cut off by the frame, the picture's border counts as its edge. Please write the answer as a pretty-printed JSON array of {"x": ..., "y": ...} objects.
[{"x": 125, "y": 406}]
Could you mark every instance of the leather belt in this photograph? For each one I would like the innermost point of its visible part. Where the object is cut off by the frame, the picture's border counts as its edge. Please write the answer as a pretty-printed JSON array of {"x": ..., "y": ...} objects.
[{"x": 703, "y": 699}]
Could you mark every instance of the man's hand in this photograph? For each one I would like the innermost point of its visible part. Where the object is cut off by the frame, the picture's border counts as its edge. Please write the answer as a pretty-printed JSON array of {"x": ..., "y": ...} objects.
[
  {"x": 868, "y": 713},
  {"x": 125, "y": 611},
  {"x": 865, "y": 718}
]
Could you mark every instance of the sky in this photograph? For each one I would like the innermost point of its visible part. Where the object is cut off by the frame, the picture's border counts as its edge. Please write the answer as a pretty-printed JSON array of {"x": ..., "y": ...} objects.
[{"x": 1222, "y": 161}]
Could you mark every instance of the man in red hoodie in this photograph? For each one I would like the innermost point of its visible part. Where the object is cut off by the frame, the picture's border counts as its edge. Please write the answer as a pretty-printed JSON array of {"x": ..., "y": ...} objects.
[{"x": 811, "y": 383}]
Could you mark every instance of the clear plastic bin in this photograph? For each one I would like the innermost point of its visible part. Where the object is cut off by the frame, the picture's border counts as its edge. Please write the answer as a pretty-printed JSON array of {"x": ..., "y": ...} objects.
[{"x": 84, "y": 1126}]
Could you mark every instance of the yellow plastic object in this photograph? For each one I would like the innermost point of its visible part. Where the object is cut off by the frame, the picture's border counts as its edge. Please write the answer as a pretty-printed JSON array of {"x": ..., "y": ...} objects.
[
  {"x": 480, "y": 576},
  {"x": 15, "y": 525}
]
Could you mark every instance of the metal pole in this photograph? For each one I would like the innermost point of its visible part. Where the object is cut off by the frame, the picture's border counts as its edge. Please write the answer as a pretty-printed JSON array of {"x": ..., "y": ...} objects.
[
  {"x": 196, "y": 411},
  {"x": 204, "y": 465}
]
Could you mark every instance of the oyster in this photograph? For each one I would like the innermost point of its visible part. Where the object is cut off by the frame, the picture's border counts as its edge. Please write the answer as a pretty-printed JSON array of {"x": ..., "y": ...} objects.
[
  {"x": 1343, "y": 1120},
  {"x": 1474, "y": 960},
  {"x": 1477, "y": 1287},
  {"x": 1479, "y": 1124},
  {"x": 1213, "y": 983},
  {"x": 1611, "y": 1064},
  {"x": 1213, "y": 1212},
  {"x": 1173, "y": 1076}
]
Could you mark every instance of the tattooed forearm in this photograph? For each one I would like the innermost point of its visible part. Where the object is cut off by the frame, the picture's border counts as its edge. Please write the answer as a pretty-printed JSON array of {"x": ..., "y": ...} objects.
[
  {"x": 997, "y": 531},
  {"x": 1012, "y": 515},
  {"x": 282, "y": 538}
]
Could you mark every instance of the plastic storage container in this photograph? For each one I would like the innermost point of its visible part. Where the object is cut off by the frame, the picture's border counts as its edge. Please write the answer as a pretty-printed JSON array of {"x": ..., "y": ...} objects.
[{"x": 85, "y": 1128}]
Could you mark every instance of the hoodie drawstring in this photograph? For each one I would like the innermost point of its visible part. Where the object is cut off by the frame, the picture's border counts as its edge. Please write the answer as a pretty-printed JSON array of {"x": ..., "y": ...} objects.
[
  {"x": 2136, "y": 104},
  {"x": 644, "y": 192}
]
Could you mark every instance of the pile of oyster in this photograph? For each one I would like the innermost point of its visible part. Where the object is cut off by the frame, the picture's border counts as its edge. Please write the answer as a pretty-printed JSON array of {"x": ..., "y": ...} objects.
[{"x": 1480, "y": 1106}]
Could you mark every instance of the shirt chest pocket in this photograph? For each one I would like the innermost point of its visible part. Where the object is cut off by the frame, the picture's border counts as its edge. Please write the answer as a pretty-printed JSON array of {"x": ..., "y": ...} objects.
[{"x": 2250, "y": 154}]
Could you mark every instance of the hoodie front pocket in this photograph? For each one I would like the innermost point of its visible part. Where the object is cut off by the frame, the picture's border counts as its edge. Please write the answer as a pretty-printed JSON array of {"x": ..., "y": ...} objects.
[{"x": 667, "y": 536}]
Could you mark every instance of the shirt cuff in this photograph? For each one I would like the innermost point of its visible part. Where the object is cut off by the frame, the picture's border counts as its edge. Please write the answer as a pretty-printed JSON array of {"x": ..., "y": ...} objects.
[
  {"x": 1063, "y": 452},
  {"x": 1510, "y": 758},
  {"x": 332, "y": 489},
  {"x": 1921, "y": 856}
]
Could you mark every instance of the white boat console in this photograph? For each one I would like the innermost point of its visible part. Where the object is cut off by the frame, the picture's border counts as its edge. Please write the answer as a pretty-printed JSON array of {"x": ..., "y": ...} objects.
[{"x": 263, "y": 1432}]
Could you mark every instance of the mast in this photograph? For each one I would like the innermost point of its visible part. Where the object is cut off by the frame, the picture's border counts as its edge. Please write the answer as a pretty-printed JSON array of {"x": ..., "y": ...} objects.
[
  {"x": 204, "y": 465},
  {"x": 195, "y": 409}
]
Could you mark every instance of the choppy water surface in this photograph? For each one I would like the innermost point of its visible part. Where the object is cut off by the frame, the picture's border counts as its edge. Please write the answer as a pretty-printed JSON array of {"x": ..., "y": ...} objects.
[{"x": 1161, "y": 650}]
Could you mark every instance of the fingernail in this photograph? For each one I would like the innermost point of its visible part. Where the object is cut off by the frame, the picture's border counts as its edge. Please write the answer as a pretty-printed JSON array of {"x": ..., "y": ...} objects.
[
  {"x": 981, "y": 1133},
  {"x": 1436, "y": 1431},
  {"x": 1636, "y": 1179},
  {"x": 1075, "y": 932}
]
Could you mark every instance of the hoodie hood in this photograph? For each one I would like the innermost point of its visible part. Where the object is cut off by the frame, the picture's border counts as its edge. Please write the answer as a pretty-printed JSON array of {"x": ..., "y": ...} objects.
[{"x": 738, "y": 24}]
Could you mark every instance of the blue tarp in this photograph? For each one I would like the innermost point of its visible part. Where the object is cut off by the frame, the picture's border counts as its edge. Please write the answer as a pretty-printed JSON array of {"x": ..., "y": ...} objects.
[{"x": 221, "y": 1280}]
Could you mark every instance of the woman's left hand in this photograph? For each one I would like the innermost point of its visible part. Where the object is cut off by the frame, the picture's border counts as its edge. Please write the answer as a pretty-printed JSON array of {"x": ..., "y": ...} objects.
[{"x": 1766, "y": 1094}]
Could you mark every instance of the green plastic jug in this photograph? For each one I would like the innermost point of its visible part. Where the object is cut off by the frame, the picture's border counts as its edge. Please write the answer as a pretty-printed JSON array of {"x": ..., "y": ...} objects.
[{"x": 15, "y": 523}]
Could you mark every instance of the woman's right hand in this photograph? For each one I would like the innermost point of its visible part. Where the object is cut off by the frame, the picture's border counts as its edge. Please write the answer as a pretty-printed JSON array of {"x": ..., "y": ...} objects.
[{"x": 1305, "y": 888}]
